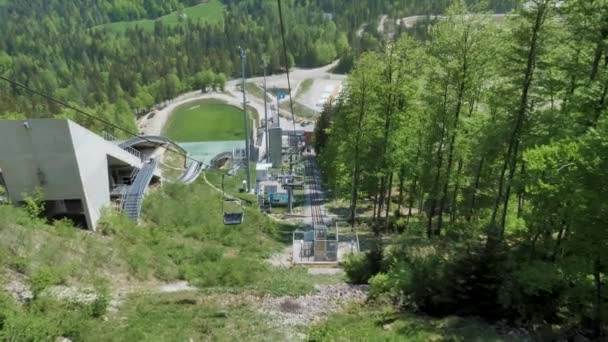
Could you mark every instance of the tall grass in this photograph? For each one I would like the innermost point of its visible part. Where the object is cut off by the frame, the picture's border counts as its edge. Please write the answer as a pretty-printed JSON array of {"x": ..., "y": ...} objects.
[{"x": 181, "y": 237}]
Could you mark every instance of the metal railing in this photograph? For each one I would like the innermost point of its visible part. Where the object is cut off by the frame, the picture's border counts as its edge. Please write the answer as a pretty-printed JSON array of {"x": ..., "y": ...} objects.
[
  {"x": 132, "y": 151},
  {"x": 109, "y": 137}
]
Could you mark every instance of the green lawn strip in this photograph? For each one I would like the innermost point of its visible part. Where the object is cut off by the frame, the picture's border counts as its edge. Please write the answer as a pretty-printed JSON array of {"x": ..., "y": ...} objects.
[
  {"x": 211, "y": 12},
  {"x": 256, "y": 91},
  {"x": 374, "y": 322},
  {"x": 186, "y": 316},
  {"x": 206, "y": 120},
  {"x": 299, "y": 109},
  {"x": 304, "y": 87}
]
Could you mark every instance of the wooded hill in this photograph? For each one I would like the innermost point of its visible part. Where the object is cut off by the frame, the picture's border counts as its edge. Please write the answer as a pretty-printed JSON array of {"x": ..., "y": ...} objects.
[
  {"x": 492, "y": 142},
  {"x": 64, "y": 48}
]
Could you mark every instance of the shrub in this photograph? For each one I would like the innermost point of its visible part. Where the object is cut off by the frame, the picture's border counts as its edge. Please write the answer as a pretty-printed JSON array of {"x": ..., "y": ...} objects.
[
  {"x": 535, "y": 292},
  {"x": 42, "y": 278},
  {"x": 380, "y": 284},
  {"x": 34, "y": 202},
  {"x": 20, "y": 264},
  {"x": 100, "y": 304},
  {"x": 361, "y": 267}
]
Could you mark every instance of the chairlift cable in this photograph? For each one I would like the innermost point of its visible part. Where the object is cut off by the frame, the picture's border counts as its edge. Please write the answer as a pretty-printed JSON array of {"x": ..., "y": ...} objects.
[
  {"x": 80, "y": 111},
  {"x": 293, "y": 117}
]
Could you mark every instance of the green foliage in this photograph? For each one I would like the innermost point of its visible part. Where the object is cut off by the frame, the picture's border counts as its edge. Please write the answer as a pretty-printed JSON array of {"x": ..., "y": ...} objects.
[
  {"x": 102, "y": 300},
  {"x": 382, "y": 323},
  {"x": 34, "y": 202},
  {"x": 379, "y": 284},
  {"x": 172, "y": 243},
  {"x": 43, "y": 278},
  {"x": 183, "y": 316},
  {"x": 496, "y": 140},
  {"x": 211, "y": 12},
  {"x": 361, "y": 267}
]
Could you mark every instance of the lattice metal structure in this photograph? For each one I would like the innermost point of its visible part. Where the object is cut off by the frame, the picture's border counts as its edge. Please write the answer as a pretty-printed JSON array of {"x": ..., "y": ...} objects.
[
  {"x": 239, "y": 156},
  {"x": 323, "y": 244}
]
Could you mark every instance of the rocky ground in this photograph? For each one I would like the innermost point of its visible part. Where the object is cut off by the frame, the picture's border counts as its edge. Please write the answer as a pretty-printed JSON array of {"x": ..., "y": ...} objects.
[{"x": 287, "y": 312}]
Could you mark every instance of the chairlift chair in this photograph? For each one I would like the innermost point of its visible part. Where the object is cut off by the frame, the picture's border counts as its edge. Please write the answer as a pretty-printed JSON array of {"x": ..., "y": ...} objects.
[{"x": 231, "y": 218}]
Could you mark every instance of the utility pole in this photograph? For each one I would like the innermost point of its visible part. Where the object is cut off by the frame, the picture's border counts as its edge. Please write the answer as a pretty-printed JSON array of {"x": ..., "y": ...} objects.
[
  {"x": 266, "y": 112},
  {"x": 246, "y": 119}
]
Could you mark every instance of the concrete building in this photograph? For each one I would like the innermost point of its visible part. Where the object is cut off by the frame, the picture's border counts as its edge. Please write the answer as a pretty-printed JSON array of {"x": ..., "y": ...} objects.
[{"x": 79, "y": 172}]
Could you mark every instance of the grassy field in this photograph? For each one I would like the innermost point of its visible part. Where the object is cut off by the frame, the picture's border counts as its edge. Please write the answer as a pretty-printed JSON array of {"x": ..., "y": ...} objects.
[
  {"x": 211, "y": 13},
  {"x": 205, "y": 120},
  {"x": 378, "y": 323},
  {"x": 299, "y": 109},
  {"x": 257, "y": 91},
  {"x": 181, "y": 237},
  {"x": 304, "y": 87}
]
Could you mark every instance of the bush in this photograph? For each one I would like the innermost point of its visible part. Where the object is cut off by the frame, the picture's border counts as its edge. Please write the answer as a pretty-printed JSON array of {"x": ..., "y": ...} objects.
[
  {"x": 43, "y": 278},
  {"x": 20, "y": 264},
  {"x": 441, "y": 282},
  {"x": 34, "y": 202},
  {"x": 100, "y": 304},
  {"x": 361, "y": 267},
  {"x": 380, "y": 284}
]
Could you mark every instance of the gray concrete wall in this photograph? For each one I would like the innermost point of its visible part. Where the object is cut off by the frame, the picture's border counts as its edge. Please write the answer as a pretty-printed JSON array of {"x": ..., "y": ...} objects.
[
  {"x": 42, "y": 156},
  {"x": 91, "y": 153},
  {"x": 64, "y": 159}
]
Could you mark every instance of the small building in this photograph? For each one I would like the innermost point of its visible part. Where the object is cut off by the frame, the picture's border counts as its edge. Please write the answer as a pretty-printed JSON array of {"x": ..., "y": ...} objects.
[{"x": 262, "y": 172}]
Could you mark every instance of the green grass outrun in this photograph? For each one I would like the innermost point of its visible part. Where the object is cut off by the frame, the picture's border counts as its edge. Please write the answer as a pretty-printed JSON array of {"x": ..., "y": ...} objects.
[{"x": 205, "y": 120}]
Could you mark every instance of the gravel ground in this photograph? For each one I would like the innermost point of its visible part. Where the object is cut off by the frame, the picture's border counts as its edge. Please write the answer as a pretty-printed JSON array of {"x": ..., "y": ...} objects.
[
  {"x": 325, "y": 271},
  {"x": 176, "y": 287},
  {"x": 16, "y": 285},
  {"x": 289, "y": 312},
  {"x": 281, "y": 259}
]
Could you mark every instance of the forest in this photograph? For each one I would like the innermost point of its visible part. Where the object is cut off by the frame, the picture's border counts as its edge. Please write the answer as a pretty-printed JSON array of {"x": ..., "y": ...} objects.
[
  {"x": 486, "y": 149},
  {"x": 59, "y": 48}
]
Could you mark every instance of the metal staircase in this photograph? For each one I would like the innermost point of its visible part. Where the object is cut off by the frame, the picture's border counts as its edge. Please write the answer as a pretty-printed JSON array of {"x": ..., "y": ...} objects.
[{"x": 133, "y": 198}]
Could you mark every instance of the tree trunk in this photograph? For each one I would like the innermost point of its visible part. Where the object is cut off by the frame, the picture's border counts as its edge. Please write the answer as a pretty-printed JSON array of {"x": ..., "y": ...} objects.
[
  {"x": 471, "y": 209},
  {"x": 601, "y": 104},
  {"x": 560, "y": 238},
  {"x": 401, "y": 187},
  {"x": 521, "y": 192},
  {"x": 510, "y": 162},
  {"x": 453, "y": 210},
  {"x": 429, "y": 229},
  {"x": 374, "y": 215},
  {"x": 355, "y": 189},
  {"x": 597, "y": 319},
  {"x": 599, "y": 51},
  {"x": 459, "y": 101},
  {"x": 381, "y": 195},
  {"x": 387, "y": 133},
  {"x": 388, "y": 201}
]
